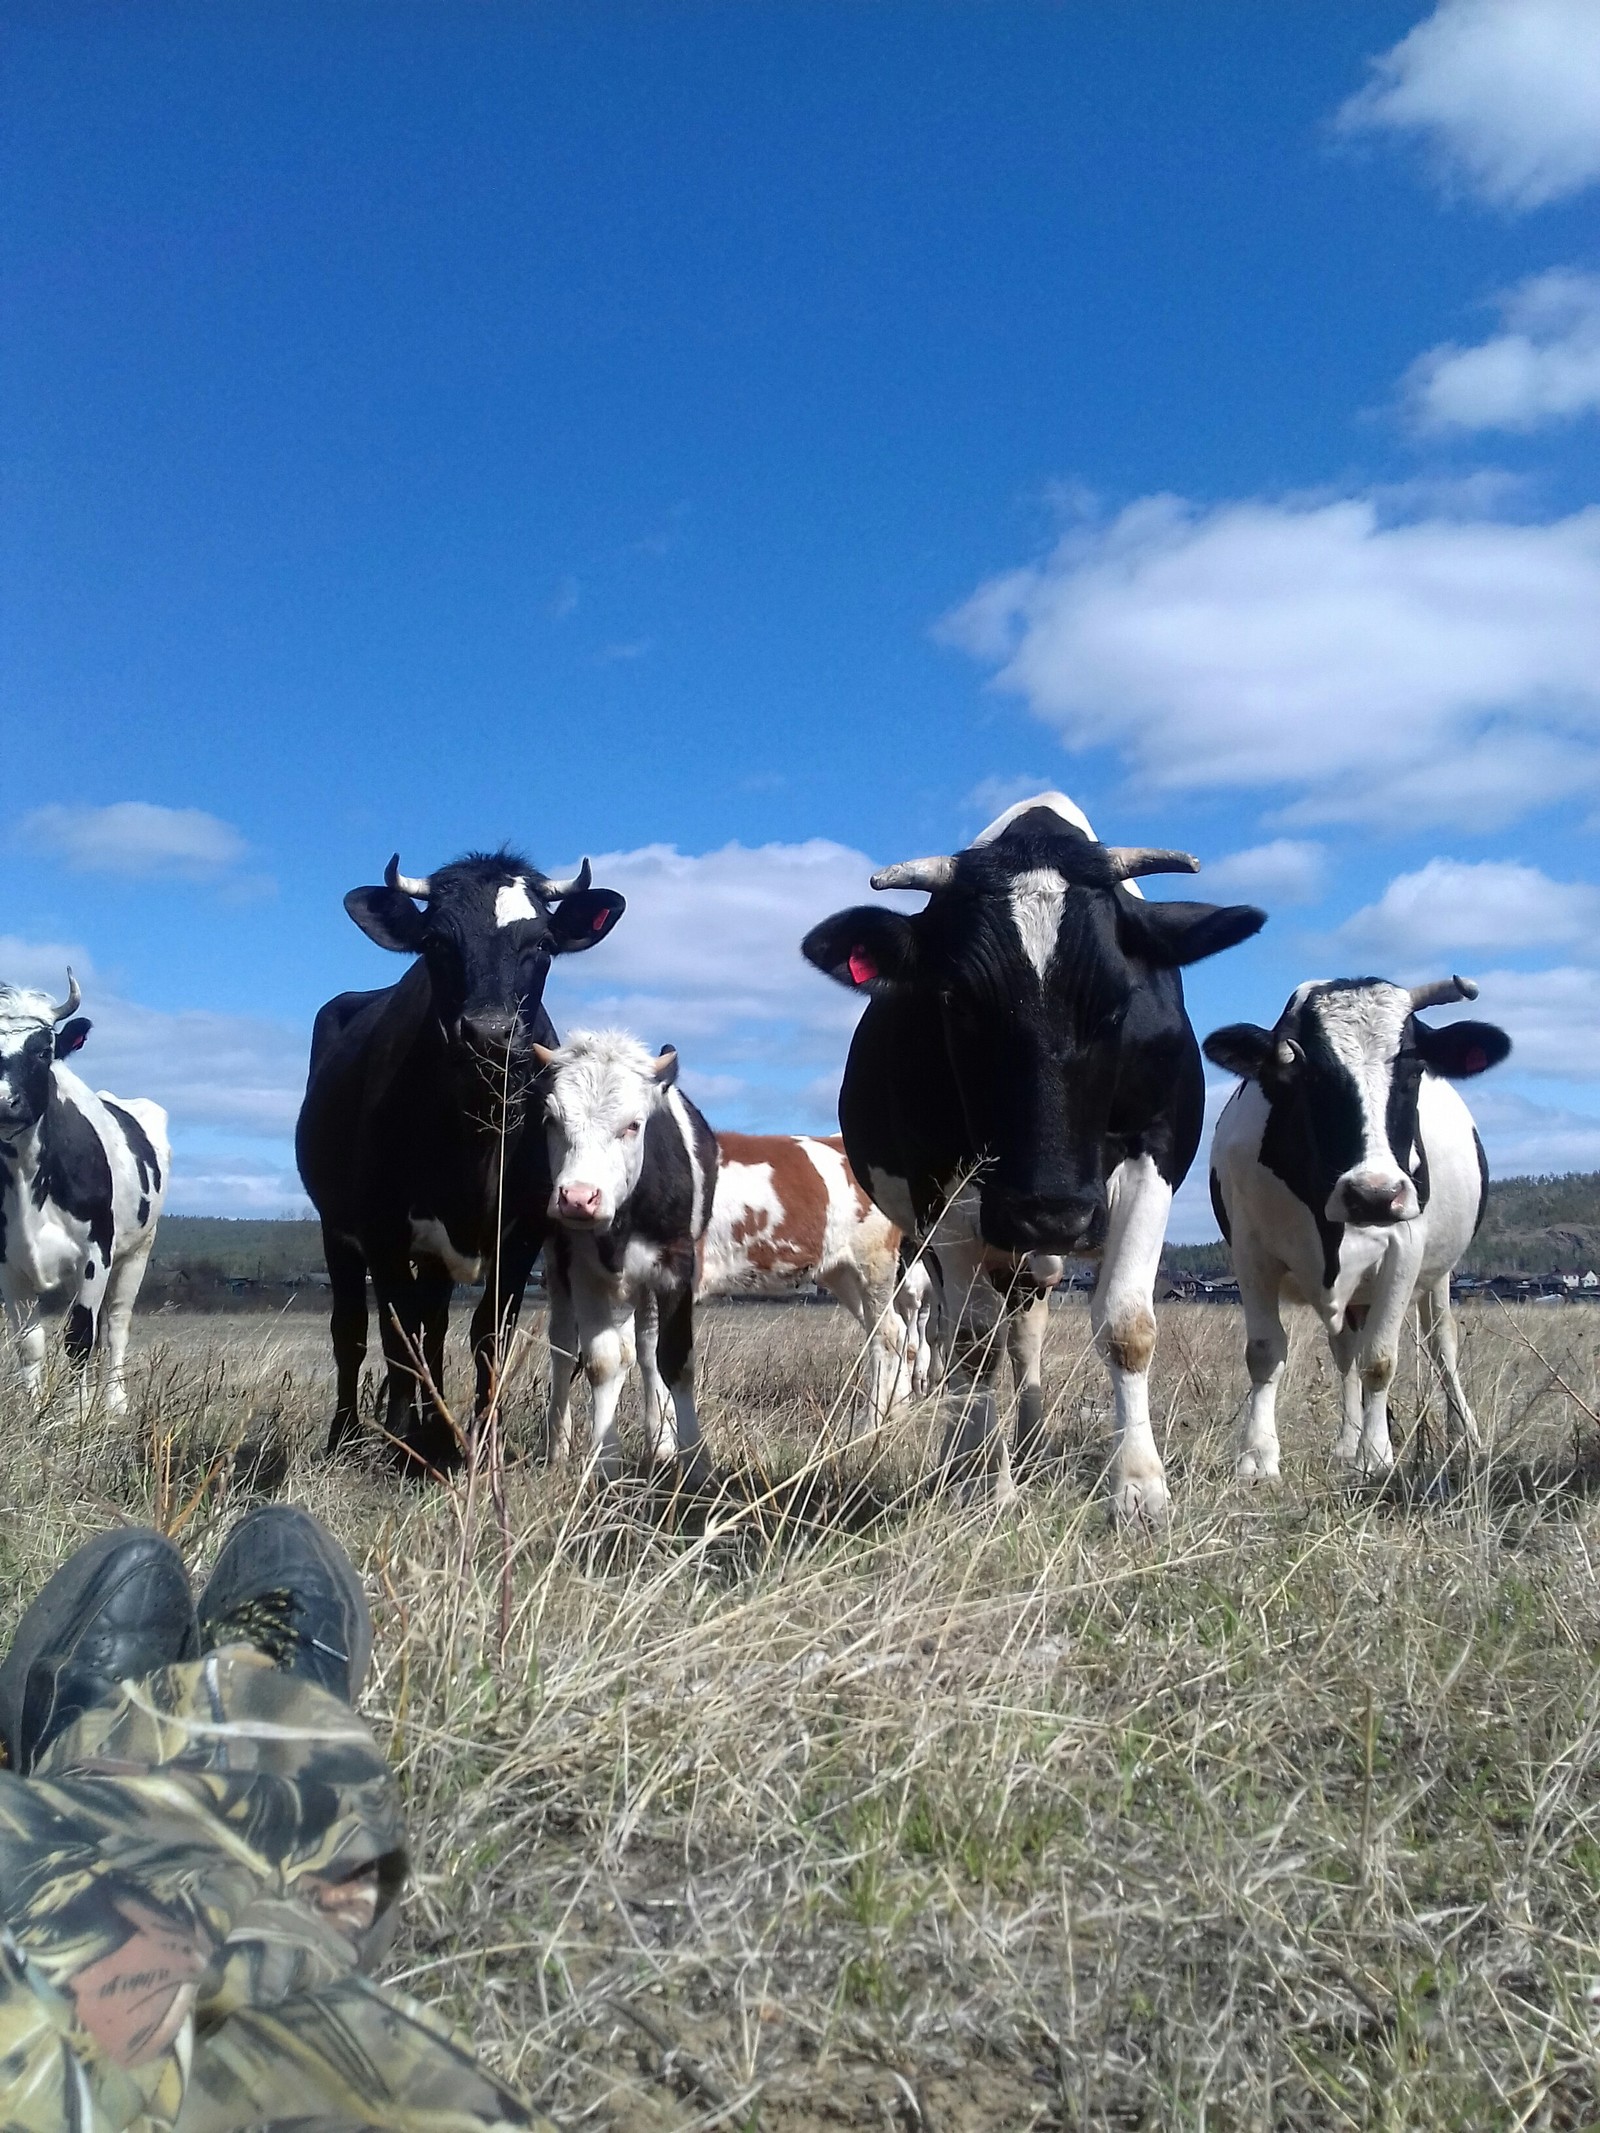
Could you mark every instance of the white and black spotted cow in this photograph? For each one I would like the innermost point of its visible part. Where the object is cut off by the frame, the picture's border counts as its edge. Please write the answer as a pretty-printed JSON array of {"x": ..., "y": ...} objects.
[
  {"x": 634, "y": 1168},
  {"x": 1346, "y": 1173},
  {"x": 81, "y": 1182},
  {"x": 1025, "y": 1084}
]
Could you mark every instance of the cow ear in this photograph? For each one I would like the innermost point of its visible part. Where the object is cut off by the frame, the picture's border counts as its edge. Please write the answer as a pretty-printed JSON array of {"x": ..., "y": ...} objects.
[
  {"x": 1460, "y": 1049},
  {"x": 1177, "y": 933},
  {"x": 584, "y": 917},
  {"x": 1242, "y": 1048},
  {"x": 387, "y": 917},
  {"x": 72, "y": 1035},
  {"x": 863, "y": 949}
]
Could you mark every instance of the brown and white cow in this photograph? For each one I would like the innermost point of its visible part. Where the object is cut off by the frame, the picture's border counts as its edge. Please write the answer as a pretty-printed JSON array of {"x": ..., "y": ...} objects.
[{"x": 788, "y": 1213}]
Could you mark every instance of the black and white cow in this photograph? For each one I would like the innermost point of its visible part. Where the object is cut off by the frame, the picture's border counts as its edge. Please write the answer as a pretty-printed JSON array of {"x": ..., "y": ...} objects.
[
  {"x": 414, "y": 1141},
  {"x": 81, "y": 1183},
  {"x": 633, "y": 1169},
  {"x": 1025, "y": 1084},
  {"x": 1346, "y": 1173}
]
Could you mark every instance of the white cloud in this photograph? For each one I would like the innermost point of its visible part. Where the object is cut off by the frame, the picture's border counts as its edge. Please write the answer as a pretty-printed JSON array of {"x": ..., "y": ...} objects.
[
  {"x": 1553, "y": 1017},
  {"x": 1525, "y": 1139},
  {"x": 226, "y": 1184},
  {"x": 134, "y": 837},
  {"x": 1289, "y": 870},
  {"x": 1438, "y": 669},
  {"x": 1545, "y": 366},
  {"x": 708, "y": 958},
  {"x": 1489, "y": 907},
  {"x": 1506, "y": 93}
]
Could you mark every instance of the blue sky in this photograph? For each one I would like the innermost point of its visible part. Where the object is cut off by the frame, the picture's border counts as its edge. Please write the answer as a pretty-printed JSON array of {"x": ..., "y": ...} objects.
[{"x": 755, "y": 443}]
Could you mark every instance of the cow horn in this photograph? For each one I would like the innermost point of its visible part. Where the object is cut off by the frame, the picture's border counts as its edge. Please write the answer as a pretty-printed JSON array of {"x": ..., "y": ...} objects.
[
  {"x": 574, "y": 885},
  {"x": 1130, "y": 859},
  {"x": 1442, "y": 992},
  {"x": 417, "y": 885},
  {"x": 70, "y": 1004},
  {"x": 543, "y": 1053},
  {"x": 916, "y": 874}
]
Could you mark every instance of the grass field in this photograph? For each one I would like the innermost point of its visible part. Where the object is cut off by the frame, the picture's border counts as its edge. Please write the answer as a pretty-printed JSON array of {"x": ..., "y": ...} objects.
[{"x": 858, "y": 1809}]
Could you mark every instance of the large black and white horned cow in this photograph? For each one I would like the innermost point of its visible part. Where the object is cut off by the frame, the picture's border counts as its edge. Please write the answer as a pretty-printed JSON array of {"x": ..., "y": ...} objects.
[
  {"x": 81, "y": 1183},
  {"x": 1346, "y": 1173},
  {"x": 414, "y": 1140},
  {"x": 1025, "y": 1084},
  {"x": 633, "y": 1169}
]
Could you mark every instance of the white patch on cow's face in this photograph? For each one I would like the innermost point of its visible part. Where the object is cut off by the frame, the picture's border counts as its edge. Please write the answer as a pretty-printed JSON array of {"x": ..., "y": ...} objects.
[
  {"x": 511, "y": 903},
  {"x": 1362, "y": 1027},
  {"x": 601, "y": 1096},
  {"x": 1037, "y": 900}
]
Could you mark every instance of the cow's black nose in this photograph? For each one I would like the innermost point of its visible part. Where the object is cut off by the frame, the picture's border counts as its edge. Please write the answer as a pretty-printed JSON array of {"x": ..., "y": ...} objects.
[
  {"x": 488, "y": 1032},
  {"x": 1044, "y": 1222}
]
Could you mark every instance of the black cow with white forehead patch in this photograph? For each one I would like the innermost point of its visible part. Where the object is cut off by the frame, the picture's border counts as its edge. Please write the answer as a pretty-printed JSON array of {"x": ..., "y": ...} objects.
[
  {"x": 1025, "y": 1084},
  {"x": 82, "y": 1178},
  {"x": 1347, "y": 1172},
  {"x": 414, "y": 1142}
]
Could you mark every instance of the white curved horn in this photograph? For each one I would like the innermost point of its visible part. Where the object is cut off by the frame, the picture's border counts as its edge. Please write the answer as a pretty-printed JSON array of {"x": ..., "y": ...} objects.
[
  {"x": 916, "y": 874},
  {"x": 70, "y": 1003},
  {"x": 1127, "y": 860},
  {"x": 417, "y": 885},
  {"x": 1442, "y": 992},
  {"x": 573, "y": 886}
]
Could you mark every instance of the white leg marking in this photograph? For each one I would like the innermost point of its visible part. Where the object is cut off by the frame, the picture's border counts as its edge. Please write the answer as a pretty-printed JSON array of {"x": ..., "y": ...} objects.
[{"x": 1123, "y": 1318}]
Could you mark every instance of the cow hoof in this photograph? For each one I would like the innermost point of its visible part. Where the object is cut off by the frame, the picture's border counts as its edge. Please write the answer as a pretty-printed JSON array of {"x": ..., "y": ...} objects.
[
  {"x": 1140, "y": 1503},
  {"x": 1256, "y": 1466}
]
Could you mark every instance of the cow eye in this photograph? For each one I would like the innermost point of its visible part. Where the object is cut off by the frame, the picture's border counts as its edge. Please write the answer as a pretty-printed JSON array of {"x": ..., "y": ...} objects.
[{"x": 628, "y": 1132}]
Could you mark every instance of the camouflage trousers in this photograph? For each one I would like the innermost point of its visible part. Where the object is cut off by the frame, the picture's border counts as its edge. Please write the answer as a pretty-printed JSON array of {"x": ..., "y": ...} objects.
[{"x": 191, "y": 1885}]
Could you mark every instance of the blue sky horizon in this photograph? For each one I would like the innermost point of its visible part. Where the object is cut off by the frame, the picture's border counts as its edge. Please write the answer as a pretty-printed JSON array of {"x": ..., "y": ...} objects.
[{"x": 751, "y": 445}]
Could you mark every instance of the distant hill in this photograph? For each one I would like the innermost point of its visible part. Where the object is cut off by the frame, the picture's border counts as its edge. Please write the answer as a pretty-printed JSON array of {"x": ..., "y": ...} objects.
[{"x": 1533, "y": 1226}]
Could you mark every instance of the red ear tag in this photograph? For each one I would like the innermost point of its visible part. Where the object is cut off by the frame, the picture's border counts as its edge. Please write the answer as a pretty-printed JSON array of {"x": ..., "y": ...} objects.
[
  {"x": 600, "y": 918},
  {"x": 862, "y": 968},
  {"x": 1477, "y": 1060}
]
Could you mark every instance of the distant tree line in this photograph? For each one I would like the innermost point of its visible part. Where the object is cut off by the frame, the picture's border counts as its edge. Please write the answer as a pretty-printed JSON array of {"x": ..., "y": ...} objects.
[{"x": 1533, "y": 1226}]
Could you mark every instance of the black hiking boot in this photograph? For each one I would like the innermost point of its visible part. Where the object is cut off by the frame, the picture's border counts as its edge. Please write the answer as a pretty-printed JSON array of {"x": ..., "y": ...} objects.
[
  {"x": 283, "y": 1584},
  {"x": 118, "y": 1609}
]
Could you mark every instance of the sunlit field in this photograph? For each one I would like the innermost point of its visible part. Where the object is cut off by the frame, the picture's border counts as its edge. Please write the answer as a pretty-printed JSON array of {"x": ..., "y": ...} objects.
[{"x": 836, "y": 1804}]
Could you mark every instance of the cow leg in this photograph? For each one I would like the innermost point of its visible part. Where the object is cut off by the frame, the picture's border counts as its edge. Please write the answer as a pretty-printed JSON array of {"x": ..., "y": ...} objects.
[
  {"x": 660, "y": 1416},
  {"x": 1345, "y": 1347},
  {"x": 116, "y": 1313},
  {"x": 494, "y": 1318},
  {"x": 400, "y": 1325},
  {"x": 1266, "y": 1350},
  {"x": 347, "y": 1277},
  {"x": 565, "y": 1359},
  {"x": 1439, "y": 1336},
  {"x": 675, "y": 1355},
  {"x": 605, "y": 1334},
  {"x": 975, "y": 1450},
  {"x": 871, "y": 1304},
  {"x": 434, "y": 1291},
  {"x": 1025, "y": 1331},
  {"x": 28, "y": 1331},
  {"x": 1122, "y": 1316}
]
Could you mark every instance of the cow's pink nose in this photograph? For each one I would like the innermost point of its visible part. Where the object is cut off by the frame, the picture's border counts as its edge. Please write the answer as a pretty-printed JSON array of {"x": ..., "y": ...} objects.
[{"x": 579, "y": 1200}]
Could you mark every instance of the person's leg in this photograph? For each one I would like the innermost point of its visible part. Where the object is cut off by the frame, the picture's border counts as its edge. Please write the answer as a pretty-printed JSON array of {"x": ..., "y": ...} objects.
[{"x": 197, "y": 1862}]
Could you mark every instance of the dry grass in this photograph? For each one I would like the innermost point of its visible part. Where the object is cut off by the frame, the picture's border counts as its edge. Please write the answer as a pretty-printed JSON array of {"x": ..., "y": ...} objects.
[{"x": 895, "y": 1815}]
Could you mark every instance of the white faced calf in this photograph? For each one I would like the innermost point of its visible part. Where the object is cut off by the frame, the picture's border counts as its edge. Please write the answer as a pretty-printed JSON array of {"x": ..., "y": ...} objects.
[
  {"x": 1346, "y": 1173},
  {"x": 633, "y": 1168}
]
